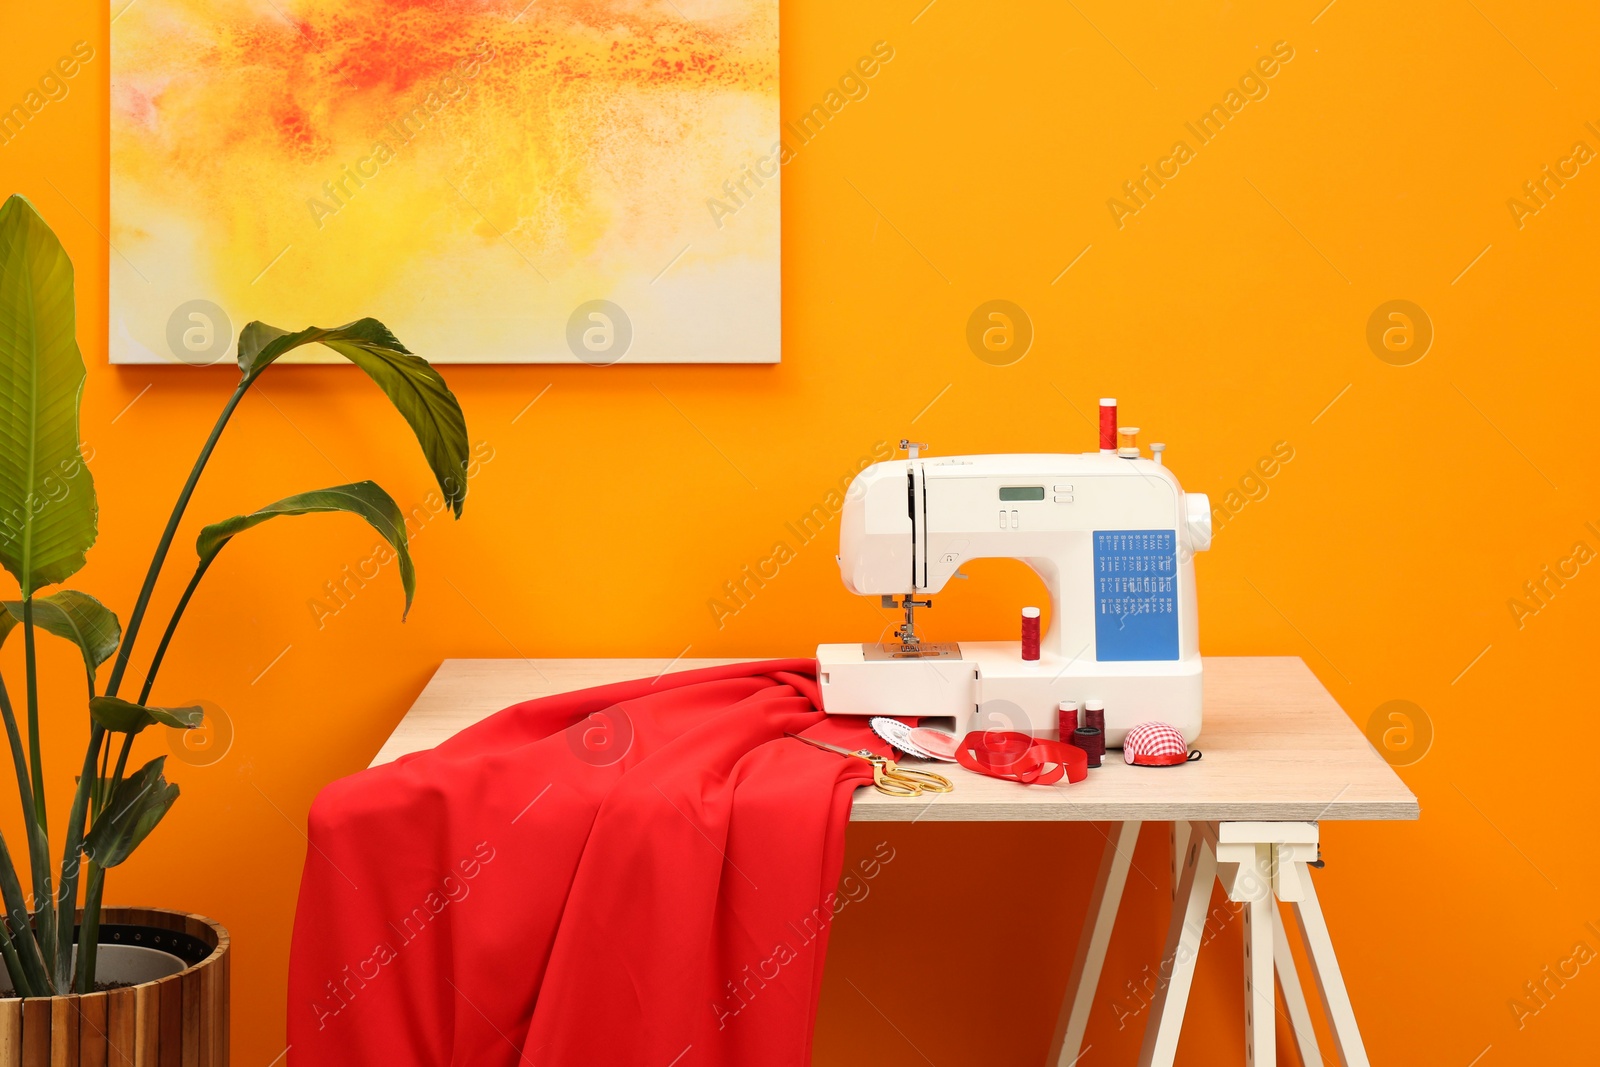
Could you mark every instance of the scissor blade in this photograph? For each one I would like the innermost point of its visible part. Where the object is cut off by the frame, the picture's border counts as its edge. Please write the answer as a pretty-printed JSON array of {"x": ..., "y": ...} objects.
[{"x": 824, "y": 745}]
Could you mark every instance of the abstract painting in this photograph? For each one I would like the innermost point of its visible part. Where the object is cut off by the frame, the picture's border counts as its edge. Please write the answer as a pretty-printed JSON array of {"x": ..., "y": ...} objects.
[{"x": 499, "y": 181}]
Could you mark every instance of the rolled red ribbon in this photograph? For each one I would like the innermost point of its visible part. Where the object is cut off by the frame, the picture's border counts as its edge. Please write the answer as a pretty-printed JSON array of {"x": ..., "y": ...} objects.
[{"x": 1016, "y": 757}]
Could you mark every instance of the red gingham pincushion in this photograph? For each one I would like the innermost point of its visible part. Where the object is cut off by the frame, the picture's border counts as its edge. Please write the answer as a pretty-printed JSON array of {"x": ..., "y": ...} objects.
[{"x": 1154, "y": 744}]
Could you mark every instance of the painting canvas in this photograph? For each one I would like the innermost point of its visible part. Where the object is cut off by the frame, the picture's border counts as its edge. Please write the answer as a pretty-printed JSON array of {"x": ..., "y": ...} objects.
[{"x": 499, "y": 181}]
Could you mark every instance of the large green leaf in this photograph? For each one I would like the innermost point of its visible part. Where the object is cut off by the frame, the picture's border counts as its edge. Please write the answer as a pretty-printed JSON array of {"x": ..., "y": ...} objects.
[
  {"x": 124, "y": 716},
  {"x": 47, "y": 505},
  {"x": 139, "y": 802},
  {"x": 417, "y": 391},
  {"x": 74, "y": 616},
  {"x": 366, "y": 499}
]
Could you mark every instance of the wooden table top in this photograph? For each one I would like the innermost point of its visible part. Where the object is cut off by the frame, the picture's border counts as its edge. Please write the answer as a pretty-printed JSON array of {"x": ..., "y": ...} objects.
[{"x": 1278, "y": 748}]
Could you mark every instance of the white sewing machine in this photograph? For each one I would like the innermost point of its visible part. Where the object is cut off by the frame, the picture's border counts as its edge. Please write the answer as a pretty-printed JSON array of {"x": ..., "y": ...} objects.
[{"x": 1113, "y": 537}]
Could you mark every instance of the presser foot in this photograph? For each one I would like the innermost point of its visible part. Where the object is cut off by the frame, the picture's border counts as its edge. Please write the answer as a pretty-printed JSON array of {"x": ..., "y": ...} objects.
[{"x": 906, "y": 644}]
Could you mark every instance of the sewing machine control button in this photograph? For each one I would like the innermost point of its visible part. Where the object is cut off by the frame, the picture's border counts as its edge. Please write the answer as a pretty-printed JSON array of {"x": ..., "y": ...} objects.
[
  {"x": 1015, "y": 525},
  {"x": 1063, "y": 498},
  {"x": 1002, "y": 520},
  {"x": 1063, "y": 488}
]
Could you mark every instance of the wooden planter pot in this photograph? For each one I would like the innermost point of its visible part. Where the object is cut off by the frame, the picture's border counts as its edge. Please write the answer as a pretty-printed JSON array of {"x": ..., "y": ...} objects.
[{"x": 178, "y": 1021}]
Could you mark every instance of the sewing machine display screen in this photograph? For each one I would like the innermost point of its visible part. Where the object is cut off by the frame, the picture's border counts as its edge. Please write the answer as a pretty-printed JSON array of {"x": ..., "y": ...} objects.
[
  {"x": 1136, "y": 594},
  {"x": 1022, "y": 492}
]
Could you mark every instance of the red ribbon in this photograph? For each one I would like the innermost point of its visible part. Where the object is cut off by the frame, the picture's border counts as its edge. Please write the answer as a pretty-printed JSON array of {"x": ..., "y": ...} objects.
[{"x": 1016, "y": 757}]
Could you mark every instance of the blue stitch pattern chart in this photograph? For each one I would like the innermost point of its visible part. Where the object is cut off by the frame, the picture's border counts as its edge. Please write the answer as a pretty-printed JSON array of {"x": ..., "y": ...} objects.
[{"x": 1136, "y": 595}]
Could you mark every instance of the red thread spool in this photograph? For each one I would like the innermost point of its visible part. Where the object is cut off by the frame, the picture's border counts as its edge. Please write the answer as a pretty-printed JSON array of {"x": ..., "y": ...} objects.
[
  {"x": 1093, "y": 743},
  {"x": 1066, "y": 719},
  {"x": 1094, "y": 714},
  {"x": 1108, "y": 424},
  {"x": 1030, "y": 634}
]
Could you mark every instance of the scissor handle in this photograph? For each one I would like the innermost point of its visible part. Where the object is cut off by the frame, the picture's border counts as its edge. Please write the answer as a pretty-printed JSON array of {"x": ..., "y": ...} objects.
[
  {"x": 927, "y": 781},
  {"x": 886, "y": 779}
]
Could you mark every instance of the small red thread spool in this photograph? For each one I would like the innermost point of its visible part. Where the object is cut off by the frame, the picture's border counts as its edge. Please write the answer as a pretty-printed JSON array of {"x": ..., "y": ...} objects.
[
  {"x": 1030, "y": 634},
  {"x": 1094, "y": 714},
  {"x": 1066, "y": 719},
  {"x": 1108, "y": 424},
  {"x": 1093, "y": 743}
]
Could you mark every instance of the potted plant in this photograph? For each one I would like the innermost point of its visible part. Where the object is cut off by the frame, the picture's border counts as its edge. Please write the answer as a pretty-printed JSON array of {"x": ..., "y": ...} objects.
[{"x": 167, "y": 971}]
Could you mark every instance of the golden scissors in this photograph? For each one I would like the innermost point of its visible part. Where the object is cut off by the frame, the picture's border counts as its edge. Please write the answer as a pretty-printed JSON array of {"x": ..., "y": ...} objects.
[{"x": 887, "y": 776}]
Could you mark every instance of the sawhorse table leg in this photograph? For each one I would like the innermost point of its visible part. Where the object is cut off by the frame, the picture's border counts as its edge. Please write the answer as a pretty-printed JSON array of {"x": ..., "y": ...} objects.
[
  {"x": 1066, "y": 1047},
  {"x": 1259, "y": 864},
  {"x": 1330, "y": 981},
  {"x": 1305, "y": 1035},
  {"x": 1180, "y": 849},
  {"x": 1184, "y": 935},
  {"x": 1260, "y": 992}
]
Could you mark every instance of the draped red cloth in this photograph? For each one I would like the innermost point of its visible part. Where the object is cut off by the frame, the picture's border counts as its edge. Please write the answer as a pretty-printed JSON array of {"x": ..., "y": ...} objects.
[{"x": 640, "y": 873}]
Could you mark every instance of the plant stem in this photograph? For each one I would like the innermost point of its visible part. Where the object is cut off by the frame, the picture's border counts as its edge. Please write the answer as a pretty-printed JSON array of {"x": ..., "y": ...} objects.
[
  {"x": 91, "y": 916},
  {"x": 94, "y": 886},
  {"x": 96, "y": 883},
  {"x": 89, "y": 939},
  {"x": 47, "y": 919},
  {"x": 32, "y": 961},
  {"x": 72, "y": 862},
  {"x": 99, "y": 796},
  {"x": 172, "y": 626},
  {"x": 131, "y": 634},
  {"x": 34, "y": 756},
  {"x": 38, "y": 841},
  {"x": 122, "y": 764},
  {"x": 19, "y": 977}
]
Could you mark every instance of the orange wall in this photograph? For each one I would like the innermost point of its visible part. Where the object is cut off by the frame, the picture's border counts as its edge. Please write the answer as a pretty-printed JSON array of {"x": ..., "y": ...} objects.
[{"x": 1227, "y": 314}]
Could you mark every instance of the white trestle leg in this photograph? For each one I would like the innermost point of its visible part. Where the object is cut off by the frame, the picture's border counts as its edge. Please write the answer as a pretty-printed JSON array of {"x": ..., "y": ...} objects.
[
  {"x": 1259, "y": 864},
  {"x": 1294, "y": 995},
  {"x": 1184, "y": 935},
  {"x": 1067, "y": 1044},
  {"x": 1180, "y": 846},
  {"x": 1260, "y": 1004},
  {"x": 1330, "y": 982}
]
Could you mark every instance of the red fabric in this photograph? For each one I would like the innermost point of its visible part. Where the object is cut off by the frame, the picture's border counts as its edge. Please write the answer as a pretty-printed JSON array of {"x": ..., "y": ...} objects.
[{"x": 640, "y": 873}]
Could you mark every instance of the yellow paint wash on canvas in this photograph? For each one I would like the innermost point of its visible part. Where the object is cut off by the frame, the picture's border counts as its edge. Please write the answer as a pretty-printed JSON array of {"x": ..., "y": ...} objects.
[{"x": 467, "y": 173}]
